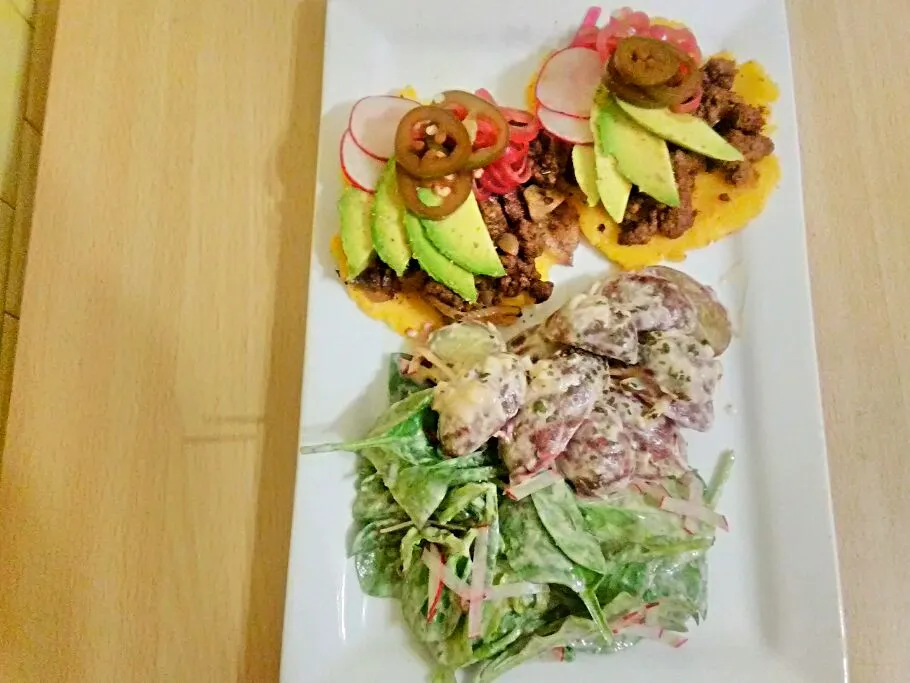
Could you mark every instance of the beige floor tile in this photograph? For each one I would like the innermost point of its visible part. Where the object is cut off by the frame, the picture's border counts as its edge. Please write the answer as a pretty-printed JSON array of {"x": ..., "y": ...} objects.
[{"x": 22, "y": 223}]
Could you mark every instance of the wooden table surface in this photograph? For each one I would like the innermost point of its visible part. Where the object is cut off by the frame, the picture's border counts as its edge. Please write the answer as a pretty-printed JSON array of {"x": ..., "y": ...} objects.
[{"x": 147, "y": 483}]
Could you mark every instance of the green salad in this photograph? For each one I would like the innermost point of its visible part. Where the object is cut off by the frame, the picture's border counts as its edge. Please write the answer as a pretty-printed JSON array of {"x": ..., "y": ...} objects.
[{"x": 491, "y": 572}]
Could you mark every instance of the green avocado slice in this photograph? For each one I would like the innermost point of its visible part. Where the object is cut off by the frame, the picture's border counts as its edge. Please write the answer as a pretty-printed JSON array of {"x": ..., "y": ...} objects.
[
  {"x": 641, "y": 157},
  {"x": 463, "y": 237},
  {"x": 612, "y": 187},
  {"x": 684, "y": 130},
  {"x": 435, "y": 264},
  {"x": 355, "y": 210},
  {"x": 586, "y": 173},
  {"x": 388, "y": 231}
]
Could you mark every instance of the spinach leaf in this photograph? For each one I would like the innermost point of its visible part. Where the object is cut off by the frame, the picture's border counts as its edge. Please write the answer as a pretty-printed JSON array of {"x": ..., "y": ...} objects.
[
  {"x": 557, "y": 508},
  {"x": 632, "y": 522},
  {"x": 622, "y": 605},
  {"x": 397, "y": 435},
  {"x": 377, "y": 561},
  {"x": 679, "y": 579},
  {"x": 420, "y": 490},
  {"x": 371, "y": 536},
  {"x": 373, "y": 500},
  {"x": 508, "y": 620},
  {"x": 462, "y": 500},
  {"x": 473, "y": 474},
  {"x": 559, "y": 634},
  {"x": 533, "y": 556},
  {"x": 442, "y": 674},
  {"x": 454, "y": 652},
  {"x": 453, "y": 544},
  {"x": 400, "y": 385},
  {"x": 415, "y": 607},
  {"x": 530, "y": 550}
]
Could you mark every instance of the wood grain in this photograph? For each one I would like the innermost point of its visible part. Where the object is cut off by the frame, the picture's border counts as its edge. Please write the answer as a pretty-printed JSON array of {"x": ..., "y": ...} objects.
[{"x": 147, "y": 483}]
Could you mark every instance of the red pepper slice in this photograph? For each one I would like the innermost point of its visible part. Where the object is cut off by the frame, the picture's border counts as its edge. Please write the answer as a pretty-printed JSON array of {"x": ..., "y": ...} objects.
[{"x": 482, "y": 110}]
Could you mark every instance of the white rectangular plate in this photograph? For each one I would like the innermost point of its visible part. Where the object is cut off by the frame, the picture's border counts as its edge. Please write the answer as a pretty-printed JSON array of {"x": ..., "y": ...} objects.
[{"x": 775, "y": 611}]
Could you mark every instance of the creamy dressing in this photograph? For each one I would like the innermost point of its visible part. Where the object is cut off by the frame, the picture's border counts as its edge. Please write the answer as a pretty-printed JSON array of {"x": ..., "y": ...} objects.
[
  {"x": 561, "y": 395},
  {"x": 683, "y": 367},
  {"x": 593, "y": 323},
  {"x": 653, "y": 302},
  {"x": 559, "y": 405},
  {"x": 478, "y": 403}
]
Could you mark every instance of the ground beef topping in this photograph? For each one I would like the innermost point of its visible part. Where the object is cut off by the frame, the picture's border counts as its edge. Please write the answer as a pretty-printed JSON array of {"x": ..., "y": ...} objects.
[
  {"x": 740, "y": 123},
  {"x": 523, "y": 224}
]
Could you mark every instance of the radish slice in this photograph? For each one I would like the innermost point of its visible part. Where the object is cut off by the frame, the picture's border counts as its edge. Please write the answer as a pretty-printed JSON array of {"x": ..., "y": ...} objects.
[
  {"x": 359, "y": 168},
  {"x": 655, "y": 491},
  {"x": 374, "y": 122},
  {"x": 478, "y": 583},
  {"x": 448, "y": 577},
  {"x": 686, "y": 508},
  {"x": 568, "y": 128},
  {"x": 568, "y": 80},
  {"x": 671, "y": 638},
  {"x": 696, "y": 497},
  {"x": 532, "y": 484},
  {"x": 434, "y": 591}
]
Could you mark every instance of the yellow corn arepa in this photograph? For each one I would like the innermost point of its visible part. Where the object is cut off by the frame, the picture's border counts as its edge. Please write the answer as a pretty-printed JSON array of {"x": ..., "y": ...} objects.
[
  {"x": 408, "y": 311},
  {"x": 716, "y": 218},
  {"x": 402, "y": 313}
]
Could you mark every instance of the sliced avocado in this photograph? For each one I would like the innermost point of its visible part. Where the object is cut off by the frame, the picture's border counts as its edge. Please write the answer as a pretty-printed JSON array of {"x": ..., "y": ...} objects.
[
  {"x": 435, "y": 264},
  {"x": 642, "y": 157},
  {"x": 612, "y": 187},
  {"x": 355, "y": 209},
  {"x": 462, "y": 237},
  {"x": 684, "y": 130},
  {"x": 389, "y": 238},
  {"x": 586, "y": 172}
]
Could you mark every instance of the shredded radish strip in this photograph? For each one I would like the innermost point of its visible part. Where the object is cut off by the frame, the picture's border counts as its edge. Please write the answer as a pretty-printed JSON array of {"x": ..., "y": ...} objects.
[
  {"x": 478, "y": 583},
  {"x": 671, "y": 638},
  {"x": 439, "y": 372},
  {"x": 533, "y": 484},
  {"x": 513, "y": 590},
  {"x": 434, "y": 591},
  {"x": 632, "y": 617},
  {"x": 655, "y": 491},
  {"x": 448, "y": 577},
  {"x": 696, "y": 497},
  {"x": 686, "y": 508},
  {"x": 651, "y": 615}
]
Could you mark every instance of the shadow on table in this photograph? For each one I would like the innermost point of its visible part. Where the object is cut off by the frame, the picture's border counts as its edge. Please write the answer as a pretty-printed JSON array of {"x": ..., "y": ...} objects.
[{"x": 296, "y": 160}]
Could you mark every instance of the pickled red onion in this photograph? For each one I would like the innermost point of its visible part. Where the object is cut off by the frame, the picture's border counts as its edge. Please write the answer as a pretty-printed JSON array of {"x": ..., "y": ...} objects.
[
  {"x": 627, "y": 22},
  {"x": 691, "y": 105},
  {"x": 513, "y": 168},
  {"x": 587, "y": 32},
  {"x": 523, "y": 125}
]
